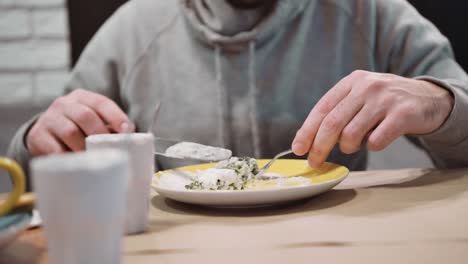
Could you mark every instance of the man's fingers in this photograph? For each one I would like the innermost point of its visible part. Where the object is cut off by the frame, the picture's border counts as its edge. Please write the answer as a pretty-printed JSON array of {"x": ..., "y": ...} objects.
[
  {"x": 356, "y": 130},
  {"x": 330, "y": 129},
  {"x": 67, "y": 132},
  {"x": 306, "y": 134},
  {"x": 41, "y": 142},
  {"x": 88, "y": 120},
  {"x": 70, "y": 118},
  {"x": 387, "y": 132},
  {"x": 109, "y": 111}
]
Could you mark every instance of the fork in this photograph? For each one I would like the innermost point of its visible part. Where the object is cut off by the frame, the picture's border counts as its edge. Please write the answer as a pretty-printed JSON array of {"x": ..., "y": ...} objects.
[{"x": 260, "y": 175}]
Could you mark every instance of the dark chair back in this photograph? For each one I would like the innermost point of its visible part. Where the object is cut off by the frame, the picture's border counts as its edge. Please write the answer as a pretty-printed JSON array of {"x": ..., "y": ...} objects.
[
  {"x": 85, "y": 18},
  {"x": 452, "y": 20}
]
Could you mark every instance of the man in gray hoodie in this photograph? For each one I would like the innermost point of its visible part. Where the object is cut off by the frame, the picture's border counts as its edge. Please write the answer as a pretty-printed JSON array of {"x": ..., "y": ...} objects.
[{"x": 324, "y": 77}]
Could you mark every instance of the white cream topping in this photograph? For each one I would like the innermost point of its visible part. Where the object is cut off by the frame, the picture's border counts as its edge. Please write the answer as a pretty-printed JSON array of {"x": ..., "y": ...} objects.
[{"x": 197, "y": 151}]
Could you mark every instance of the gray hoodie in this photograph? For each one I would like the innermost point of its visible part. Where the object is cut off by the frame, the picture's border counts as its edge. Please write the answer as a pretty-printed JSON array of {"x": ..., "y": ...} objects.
[{"x": 247, "y": 79}]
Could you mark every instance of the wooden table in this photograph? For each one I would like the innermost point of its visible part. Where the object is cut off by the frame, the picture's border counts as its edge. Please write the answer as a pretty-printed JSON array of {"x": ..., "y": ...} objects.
[{"x": 401, "y": 216}]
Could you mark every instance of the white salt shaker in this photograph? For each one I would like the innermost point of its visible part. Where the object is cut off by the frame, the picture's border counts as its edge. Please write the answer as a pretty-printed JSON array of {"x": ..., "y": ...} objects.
[{"x": 140, "y": 148}]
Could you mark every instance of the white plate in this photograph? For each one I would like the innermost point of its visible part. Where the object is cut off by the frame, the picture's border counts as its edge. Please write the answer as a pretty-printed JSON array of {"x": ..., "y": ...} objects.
[{"x": 266, "y": 193}]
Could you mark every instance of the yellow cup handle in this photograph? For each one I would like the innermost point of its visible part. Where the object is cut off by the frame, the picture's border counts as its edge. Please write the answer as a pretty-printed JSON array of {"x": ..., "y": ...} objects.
[{"x": 17, "y": 175}]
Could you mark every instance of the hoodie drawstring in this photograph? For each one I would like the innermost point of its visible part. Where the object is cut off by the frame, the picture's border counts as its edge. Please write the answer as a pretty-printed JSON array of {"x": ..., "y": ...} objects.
[
  {"x": 253, "y": 100},
  {"x": 223, "y": 128}
]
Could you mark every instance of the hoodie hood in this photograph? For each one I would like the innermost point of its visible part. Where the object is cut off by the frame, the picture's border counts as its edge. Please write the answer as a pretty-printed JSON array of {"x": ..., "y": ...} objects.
[
  {"x": 226, "y": 28},
  {"x": 226, "y": 20},
  {"x": 217, "y": 22}
]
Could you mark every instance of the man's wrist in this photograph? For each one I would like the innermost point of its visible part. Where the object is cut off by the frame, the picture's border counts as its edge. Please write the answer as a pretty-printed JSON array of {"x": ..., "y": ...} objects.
[{"x": 443, "y": 102}]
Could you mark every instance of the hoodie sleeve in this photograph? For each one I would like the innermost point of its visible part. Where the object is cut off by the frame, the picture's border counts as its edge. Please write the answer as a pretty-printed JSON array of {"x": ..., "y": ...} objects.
[
  {"x": 408, "y": 45},
  {"x": 18, "y": 151},
  {"x": 101, "y": 68}
]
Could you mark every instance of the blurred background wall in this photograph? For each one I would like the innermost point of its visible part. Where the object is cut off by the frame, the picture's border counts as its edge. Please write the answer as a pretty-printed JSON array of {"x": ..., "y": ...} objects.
[
  {"x": 36, "y": 53},
  {"x": 34, "y": 62},
  {"x": 34, "y": 50}
]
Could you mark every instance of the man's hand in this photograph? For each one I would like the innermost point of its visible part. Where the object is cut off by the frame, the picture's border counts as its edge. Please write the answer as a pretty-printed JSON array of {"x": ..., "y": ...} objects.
[
  {"x": 69, "y": 119},
  {"x": 381, "y": 107}
]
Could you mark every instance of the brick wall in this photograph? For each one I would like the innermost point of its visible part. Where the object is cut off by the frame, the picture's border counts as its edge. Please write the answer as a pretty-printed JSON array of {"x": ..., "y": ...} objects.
[
  {"x": 34, "y": 51},
  {"x": 34, "y": 59}
]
